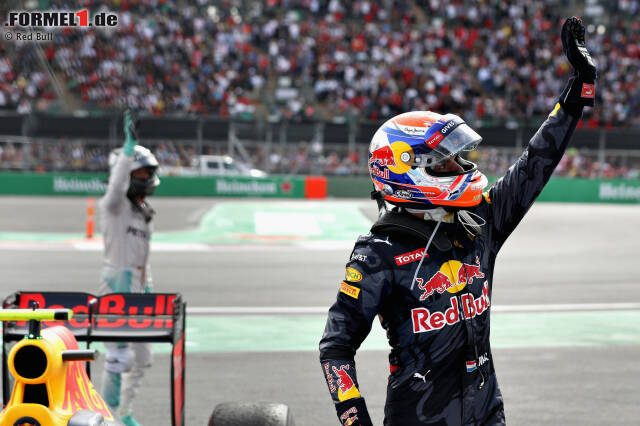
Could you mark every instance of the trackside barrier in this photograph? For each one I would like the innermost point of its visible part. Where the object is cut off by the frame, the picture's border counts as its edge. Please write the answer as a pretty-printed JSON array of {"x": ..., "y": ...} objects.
[
  {"x": 559, "y": 189},
  {"x": 115, "y": 317},
  {"x": 95, "y": 184},
  {"x": 315, "y": 187}
]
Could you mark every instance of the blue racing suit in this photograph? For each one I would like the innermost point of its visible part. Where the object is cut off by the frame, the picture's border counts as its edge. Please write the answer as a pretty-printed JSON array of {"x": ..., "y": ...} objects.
[{"x": 437, "y": 318}]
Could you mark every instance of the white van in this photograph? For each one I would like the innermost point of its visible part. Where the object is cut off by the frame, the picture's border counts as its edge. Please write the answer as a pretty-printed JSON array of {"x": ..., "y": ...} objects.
[
  {"x": 211, "y": 165},
  {"x": 223, "y": 165}
]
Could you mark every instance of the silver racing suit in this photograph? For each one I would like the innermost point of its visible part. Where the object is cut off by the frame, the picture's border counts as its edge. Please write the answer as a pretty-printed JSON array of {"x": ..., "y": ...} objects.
[{"x": 126, "y": 268}]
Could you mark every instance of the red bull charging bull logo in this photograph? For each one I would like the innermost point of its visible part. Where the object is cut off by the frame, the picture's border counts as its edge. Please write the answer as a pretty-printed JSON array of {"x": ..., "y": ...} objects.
[
  {"x": 347, "y": 389},
  {"x": 453, "y": 276},
  {"x": 349, "y": 417},
  {"x": 383, "y": 156},
  {"x": 425, "y": 321}
]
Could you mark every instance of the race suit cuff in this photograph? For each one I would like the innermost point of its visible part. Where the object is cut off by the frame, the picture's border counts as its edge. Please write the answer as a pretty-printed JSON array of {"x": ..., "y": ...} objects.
[
  {"x": 576, "y": 95},
  {"x": 353, "y": 413}
]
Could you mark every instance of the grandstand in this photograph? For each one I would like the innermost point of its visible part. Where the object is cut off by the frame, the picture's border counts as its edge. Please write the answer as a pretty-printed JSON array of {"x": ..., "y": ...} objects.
[{"x": 303, "y": 64}]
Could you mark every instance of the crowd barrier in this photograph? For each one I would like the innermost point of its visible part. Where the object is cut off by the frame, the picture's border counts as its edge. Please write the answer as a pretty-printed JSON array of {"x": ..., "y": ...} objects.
[
  {"x": 95, "y": 184},
  {"x": 559, "y": 189}
]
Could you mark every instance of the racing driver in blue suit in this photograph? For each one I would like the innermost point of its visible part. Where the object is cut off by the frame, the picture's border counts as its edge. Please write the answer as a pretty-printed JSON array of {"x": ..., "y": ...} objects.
[{"x": 426, "y": 267}]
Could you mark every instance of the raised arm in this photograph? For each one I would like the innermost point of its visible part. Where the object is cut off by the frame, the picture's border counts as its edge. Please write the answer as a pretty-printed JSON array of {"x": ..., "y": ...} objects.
[
  {"x": 512, "y": 196},
  {"x": 119, "y": 177}
]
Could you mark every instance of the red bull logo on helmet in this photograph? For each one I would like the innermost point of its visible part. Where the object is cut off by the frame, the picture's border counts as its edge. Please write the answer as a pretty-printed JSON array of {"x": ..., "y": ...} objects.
[
  {"x": 375, "y": 171},
  {"x": 384, "y": 156},
  {"x": 452, "y": 277},
  {"x": 425, "y": 321}
]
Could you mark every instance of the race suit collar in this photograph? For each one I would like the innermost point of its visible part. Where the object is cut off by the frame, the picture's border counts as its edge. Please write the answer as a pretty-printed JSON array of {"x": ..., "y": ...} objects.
[{"x": 399, "y": 223}]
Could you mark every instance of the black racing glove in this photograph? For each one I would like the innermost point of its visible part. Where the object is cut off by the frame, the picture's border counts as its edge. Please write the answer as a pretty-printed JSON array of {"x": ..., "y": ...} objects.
[
  {"x": 353, "y": 412},
  {"x": 581, "y": 88}
]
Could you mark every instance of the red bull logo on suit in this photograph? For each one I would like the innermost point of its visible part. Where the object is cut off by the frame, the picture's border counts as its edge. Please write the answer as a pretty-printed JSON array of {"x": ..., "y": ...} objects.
[
  {"x": 452, "y": 277},
  {"x": 347, "y": 388},
  {"x": 425, "y": 321}
]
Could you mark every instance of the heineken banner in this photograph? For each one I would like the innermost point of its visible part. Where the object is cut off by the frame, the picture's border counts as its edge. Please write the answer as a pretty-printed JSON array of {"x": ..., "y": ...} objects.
[
  {"x": 172, "y": 186},
  {"x": 83, "y": 184},
  {"x": 558, "y": 189}
]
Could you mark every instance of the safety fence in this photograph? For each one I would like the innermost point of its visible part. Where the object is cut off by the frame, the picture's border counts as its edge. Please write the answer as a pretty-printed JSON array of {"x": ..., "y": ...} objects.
[{"x": 559, "y": 189}]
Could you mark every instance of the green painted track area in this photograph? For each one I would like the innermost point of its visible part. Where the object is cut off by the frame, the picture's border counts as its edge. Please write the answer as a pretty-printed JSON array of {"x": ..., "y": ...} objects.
[
  {"x": 274, "y": 221},
  {"x": 257, "y": 333},
  {"x": 250, "y": 222}
]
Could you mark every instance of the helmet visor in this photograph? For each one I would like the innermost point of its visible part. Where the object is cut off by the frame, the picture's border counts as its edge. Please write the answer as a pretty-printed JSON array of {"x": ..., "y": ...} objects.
[{"x": 462, "y": 138}]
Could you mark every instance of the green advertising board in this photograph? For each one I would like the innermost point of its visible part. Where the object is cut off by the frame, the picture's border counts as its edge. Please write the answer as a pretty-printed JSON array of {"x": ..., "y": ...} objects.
[
  {"x": 52, "y": 184},
  {"x": 273, "y": 186},
  {"x": 94, "y": 184},
  {"x": 89, "y": 184},
  {"x": 558, "y": 189}
]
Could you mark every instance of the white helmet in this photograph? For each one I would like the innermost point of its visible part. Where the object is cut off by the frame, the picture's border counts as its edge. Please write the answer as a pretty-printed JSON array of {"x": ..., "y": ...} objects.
[
  {"x": 404, "y": 150},
  {"x": 142, "y": 158}
]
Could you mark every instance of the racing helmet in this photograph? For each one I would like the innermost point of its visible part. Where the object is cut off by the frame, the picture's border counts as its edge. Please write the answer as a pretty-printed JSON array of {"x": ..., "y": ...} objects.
[
  {"x": 142, "y": 158},
  {"x": 404, "y": 150}
]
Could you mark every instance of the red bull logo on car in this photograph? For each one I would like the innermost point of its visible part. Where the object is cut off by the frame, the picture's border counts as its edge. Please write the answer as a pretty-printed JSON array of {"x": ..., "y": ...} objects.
[
  {"x": 452, "y": 277},
  {"x": 425, "y": 321},
  {"x": 347, "y": 389}
]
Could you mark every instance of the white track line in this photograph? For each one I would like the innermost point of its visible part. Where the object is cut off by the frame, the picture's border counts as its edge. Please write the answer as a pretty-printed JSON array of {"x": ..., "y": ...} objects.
[
  {"x": 291, "y": 310},
  {"x": 97, "y": 245}
]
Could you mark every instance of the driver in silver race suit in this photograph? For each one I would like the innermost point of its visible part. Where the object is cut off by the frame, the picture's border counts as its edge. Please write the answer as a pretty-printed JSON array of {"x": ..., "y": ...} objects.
[
  {"x": 426, "y": 268},
  {"x": 125, "y": 218}
]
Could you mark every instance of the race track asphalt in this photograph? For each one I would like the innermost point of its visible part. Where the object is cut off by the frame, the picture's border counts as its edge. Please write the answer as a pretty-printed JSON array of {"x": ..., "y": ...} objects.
[{"x": 574, "y": 364}]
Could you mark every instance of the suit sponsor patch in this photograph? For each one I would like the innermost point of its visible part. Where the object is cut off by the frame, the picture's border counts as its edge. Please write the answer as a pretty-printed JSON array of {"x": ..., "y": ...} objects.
[
  {"x": 425, "y": 321},
  {"x": 347, "y": 387},
  {"x": 588, "y": 90},
  {"x": 412, "y": 256},
  {"x": 349, "y": 290},
  {"x": 349, "y": 417},
  {"x": 353, "y": 275},
  {"x": 359, "y": 257}
]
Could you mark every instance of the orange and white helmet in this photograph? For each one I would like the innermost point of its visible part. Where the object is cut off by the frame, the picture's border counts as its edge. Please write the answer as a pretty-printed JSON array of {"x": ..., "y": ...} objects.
[{"x": 404, "y": 150}]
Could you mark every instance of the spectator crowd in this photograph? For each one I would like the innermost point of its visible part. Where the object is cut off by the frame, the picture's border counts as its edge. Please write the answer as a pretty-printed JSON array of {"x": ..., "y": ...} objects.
[
  {"x": 488, "y": 61},
  {"x": 292, "y": 158}
]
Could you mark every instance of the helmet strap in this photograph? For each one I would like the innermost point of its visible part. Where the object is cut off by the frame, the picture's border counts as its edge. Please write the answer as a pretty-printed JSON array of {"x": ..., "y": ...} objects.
[
  {"x": 471, "y": 222},
  {"x": 382, "y": 206},
  {"x": 437, "y": 214}
]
